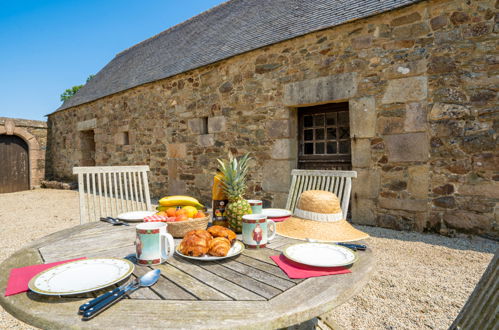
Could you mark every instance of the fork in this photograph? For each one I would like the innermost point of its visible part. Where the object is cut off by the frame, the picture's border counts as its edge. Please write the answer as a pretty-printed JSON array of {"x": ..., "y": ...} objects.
[{"x": 114, "y": 221}]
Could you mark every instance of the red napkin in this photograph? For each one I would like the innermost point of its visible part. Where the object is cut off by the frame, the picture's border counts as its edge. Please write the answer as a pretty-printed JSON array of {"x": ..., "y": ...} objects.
[
  {"x": 20, "y": 277},
  {"x": 280, "y": 219},
  {"x": 296, "y": 270}
]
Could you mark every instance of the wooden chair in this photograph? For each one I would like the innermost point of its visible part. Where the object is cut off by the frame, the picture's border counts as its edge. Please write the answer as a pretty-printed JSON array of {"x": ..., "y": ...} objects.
[
  {"x": 481, "y": 311},
  {"x": 111, "y": 190},
  {"x": 337, "y": 182}
]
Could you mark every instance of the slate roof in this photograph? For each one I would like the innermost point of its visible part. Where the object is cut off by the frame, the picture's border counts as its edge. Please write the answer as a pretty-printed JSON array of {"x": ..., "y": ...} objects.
[{"x": 232, "y": 28}]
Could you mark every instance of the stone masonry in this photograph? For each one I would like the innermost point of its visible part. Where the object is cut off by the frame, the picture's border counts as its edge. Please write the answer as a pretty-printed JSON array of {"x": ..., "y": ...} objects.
[{"x": 421, "y": 83}]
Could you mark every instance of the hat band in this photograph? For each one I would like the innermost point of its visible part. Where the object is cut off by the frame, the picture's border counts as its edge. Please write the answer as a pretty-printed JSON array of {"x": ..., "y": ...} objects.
[{"x": 324, "y": 217}]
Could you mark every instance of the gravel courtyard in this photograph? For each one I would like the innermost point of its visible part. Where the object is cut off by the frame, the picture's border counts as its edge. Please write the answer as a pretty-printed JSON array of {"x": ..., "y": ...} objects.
[{"x": 420, "y": 282}]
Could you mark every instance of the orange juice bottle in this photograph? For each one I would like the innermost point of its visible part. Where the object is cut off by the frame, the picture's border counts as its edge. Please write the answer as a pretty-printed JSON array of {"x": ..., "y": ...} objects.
[{"x": 219, "y": 201}]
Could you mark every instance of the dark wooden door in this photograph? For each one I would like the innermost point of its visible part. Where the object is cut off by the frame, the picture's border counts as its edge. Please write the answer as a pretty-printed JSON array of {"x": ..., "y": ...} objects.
[{"x": 14, "y": 164}]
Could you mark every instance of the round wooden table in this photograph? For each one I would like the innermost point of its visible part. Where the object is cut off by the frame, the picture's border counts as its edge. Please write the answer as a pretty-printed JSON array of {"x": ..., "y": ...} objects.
[{"x": 248, "y": 291}]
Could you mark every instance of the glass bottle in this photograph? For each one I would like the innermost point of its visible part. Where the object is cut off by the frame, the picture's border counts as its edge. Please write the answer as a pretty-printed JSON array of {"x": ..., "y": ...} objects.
[{"x": 219, "y": 201}]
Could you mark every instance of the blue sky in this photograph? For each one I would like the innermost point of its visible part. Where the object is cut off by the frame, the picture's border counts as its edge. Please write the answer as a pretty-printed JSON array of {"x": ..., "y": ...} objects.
[{"x": 48, "y": 46}]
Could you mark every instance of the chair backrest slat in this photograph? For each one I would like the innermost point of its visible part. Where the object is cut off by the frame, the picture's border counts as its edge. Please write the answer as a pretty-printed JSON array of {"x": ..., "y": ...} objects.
[
  {"x": 309, "y": 183},
  {"x": 337, "y": 182},
  {"x": 340, "y": 189},
  {"x": 328, "y": 183},
  {"x": 93, "y": 193},
  {"x": 120, "y": 188},
  {"x": 147, "y": 196},
  {"x": 126, "y": 180},
  {"x": 105, "y": 193},
  {"x": 87, "y": 196},
  {"x": 111, "y": 190},
  {"x": 482, "y": 308},
  {"x": 134, "y": 175},
  {"x": 99, "y": 190},
  {"x": 141, "y": 196},
  {"x": 83, "y": 208},
  {"x": 323, "y": 182}
]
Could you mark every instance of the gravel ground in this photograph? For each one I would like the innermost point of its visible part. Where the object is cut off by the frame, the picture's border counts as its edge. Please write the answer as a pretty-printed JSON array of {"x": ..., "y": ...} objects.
[
  {"x": 421, "y": 281},
  {"x": 28, "y": 215}
]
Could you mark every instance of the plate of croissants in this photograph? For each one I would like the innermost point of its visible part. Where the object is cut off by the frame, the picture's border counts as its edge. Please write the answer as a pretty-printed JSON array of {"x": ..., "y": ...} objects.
[{"x": 214, "y": 243}]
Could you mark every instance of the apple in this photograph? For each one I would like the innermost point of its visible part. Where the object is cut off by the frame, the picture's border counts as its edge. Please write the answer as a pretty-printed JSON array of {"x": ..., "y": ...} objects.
[{"x": 181, "y": 217}]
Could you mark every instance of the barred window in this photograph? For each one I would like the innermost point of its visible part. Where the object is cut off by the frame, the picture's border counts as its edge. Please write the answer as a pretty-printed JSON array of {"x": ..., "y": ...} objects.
[{"x": 324, "y": 135}]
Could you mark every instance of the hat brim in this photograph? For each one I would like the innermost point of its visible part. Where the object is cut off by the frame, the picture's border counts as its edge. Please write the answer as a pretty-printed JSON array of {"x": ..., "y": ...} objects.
[{"x": 338, "y": 231}]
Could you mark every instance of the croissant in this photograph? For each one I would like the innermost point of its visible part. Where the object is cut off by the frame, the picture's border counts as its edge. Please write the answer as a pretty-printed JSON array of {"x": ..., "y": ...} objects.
[
  {"x": 219, "y": 247},
  {"x": 219, "y": 231},
  {"x": 195, "y": 243}
]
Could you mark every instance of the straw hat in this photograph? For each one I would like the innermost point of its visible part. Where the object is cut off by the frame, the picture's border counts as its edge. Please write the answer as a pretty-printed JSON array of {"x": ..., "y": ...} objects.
[{"x": 318, "y": 216}]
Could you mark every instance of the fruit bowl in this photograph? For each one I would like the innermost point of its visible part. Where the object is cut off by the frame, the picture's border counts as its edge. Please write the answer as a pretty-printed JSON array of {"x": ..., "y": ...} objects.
[{"x": 178, "y": 229}]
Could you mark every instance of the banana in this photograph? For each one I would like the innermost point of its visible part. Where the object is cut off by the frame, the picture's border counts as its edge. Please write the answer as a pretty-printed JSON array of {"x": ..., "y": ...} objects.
[
  {"x": 164, "y": 208},
  {"x": 179, "y": 200}
]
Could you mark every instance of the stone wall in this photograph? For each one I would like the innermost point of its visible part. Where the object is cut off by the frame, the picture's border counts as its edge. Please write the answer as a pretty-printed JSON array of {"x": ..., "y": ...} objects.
[
  {"x": 34, "y": 133},
  {"x": 421, "y": 83}
]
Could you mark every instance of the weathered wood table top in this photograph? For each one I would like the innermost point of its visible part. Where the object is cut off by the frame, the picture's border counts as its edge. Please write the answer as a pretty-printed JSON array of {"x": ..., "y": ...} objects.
[{"x": 248, "y": 291}]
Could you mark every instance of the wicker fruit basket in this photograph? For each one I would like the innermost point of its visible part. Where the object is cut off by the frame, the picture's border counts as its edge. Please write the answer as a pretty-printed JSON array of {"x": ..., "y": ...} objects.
[{"x": 179, "y": 229}]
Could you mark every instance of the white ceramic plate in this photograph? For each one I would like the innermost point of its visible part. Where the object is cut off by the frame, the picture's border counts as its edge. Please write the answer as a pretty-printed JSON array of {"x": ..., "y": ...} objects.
[
  {"x": 276, "y": 213},
  {"x": 320, "y": 254},
  {"x": 81, "y": 276},
  {"x": 236, "y": 249},
  {"x": 135, "y": 216}
]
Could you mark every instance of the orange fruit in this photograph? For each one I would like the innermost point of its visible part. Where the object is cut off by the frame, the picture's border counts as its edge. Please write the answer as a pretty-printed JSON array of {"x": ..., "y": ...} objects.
[
  {"x": 200, "y": 214},
  {"x": 180, "y": 212},
  {"x": 171, "y": 211}
]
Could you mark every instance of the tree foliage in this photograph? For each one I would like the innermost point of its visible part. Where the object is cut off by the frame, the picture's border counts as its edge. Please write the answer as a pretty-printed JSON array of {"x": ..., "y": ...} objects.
[{"x": 68, "y": 93}]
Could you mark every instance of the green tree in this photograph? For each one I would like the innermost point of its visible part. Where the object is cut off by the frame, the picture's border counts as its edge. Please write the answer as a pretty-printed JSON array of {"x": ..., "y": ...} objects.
[{"x": 68, "y": 93}]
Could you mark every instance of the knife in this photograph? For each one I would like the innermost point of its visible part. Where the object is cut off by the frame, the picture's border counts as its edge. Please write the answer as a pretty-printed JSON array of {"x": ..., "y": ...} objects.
[
  {"x": 102, "y": 297},
  {"x": 148, "y": 279},
  {"x": 354, "y": 247},
  {"x": 351, "y": 246}
]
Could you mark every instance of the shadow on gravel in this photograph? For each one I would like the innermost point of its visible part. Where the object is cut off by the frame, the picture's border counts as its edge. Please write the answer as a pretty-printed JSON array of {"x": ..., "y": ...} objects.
[{"x": 473, "y": 243}]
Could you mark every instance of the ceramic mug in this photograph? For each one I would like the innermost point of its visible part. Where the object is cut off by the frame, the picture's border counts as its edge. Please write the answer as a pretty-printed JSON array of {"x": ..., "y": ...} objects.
[
  {"x": 153, "y": 242},
  {"x": 256, "y": 230},
  {"x": 256, "y": 206}
]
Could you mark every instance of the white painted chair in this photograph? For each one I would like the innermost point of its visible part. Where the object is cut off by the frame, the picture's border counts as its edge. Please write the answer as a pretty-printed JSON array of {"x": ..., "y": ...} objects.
[
  {"x": 481, "y": 311},
  {"x": 111, "y": 190},
  {"x": 337, "y": 182}
]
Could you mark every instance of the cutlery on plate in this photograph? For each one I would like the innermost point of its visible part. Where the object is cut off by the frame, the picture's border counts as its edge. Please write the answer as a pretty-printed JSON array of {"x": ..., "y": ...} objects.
[
  {"x": 87, "y": 305},
  {"x": 114, "y": 221},
  {"x": 355, "y": 247},
  {"x": 112, "y": 297}
]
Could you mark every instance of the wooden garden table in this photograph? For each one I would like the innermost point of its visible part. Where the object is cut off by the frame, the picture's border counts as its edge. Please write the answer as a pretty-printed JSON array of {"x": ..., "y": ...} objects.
[{"x": 248, "y": 291}]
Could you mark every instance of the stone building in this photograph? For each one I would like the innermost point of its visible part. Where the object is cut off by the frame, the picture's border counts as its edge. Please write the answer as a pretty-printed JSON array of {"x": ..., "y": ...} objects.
[
  {"x": 22, "y": 153},
  {"x": 403, "y": 92}
]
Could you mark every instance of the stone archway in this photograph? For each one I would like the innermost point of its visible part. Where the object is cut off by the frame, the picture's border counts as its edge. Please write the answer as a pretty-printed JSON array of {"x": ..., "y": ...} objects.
[{"x": 35, "y": 153}]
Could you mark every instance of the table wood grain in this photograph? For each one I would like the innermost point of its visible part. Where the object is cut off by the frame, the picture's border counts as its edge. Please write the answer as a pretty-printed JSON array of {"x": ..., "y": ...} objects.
[{"x": 245, "y": 292}]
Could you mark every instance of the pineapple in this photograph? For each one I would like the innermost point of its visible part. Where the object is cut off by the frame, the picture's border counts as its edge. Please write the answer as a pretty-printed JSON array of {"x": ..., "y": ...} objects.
[{"x": 234, "y": 185}]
